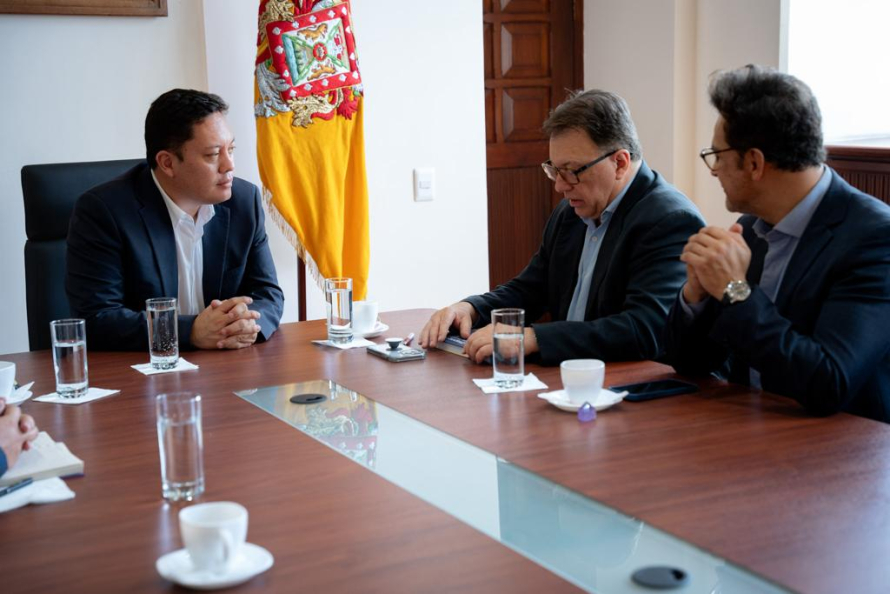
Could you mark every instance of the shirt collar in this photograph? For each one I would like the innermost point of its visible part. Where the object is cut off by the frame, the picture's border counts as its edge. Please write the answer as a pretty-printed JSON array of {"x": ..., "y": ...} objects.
[
  {"x": 613, "y": 205},
  {"x": 205, "y": 212},
  {"x": 795, "y": 222}
]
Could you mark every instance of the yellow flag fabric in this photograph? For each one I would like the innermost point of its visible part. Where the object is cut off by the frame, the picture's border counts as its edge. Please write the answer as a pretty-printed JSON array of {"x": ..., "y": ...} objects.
[{"x": 310, "y": 135}]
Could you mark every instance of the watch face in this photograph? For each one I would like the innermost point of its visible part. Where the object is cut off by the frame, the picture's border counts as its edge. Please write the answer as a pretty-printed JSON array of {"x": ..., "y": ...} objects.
[{"x": 736, "y": 291}]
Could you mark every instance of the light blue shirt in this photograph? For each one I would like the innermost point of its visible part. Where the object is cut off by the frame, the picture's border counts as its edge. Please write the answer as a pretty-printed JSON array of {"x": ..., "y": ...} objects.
[{"x": 593, "y": 238}]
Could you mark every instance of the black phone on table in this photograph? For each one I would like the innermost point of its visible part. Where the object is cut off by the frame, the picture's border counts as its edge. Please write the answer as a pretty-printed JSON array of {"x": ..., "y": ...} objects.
[{"x": 653, "y": 390}]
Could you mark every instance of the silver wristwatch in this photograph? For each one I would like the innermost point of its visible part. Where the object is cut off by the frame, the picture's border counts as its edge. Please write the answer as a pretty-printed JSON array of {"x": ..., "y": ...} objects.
[{"x": 735, "y": 292}]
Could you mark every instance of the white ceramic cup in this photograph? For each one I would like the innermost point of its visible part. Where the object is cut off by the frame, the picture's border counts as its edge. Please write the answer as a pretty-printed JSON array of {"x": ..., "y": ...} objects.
[
  {"x": 582, "y": 379},
  {"x": 364, "y": 316},
  {"x": 213, "y": 533},
  {"x": 7, "y": 378}
]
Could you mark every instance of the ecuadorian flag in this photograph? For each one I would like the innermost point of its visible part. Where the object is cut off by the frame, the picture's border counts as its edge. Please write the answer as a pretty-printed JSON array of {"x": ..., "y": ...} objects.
[{"x": 310, "y": 135}]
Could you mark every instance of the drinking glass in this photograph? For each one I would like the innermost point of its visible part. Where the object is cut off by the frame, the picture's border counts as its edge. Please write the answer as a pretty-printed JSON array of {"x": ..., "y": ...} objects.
[
  {"x": 508, "y": 356},
  {"x": 338, "y": 295},
  {"x": 69, "y": 338},
  {"x": 181, "y": 446},
  {"x": 163, "y": 332}
]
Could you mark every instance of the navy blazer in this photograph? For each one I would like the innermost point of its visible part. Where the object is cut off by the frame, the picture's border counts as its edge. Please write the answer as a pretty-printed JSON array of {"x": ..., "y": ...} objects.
[
  {"x": 122, "y": 251},
  {"x": 826, "y": 340},
  {"x": 635, "y": 280}
]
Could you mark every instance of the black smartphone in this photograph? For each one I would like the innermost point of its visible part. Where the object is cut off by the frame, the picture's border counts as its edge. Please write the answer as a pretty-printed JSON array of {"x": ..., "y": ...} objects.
[{"x": 652, "y": 390}]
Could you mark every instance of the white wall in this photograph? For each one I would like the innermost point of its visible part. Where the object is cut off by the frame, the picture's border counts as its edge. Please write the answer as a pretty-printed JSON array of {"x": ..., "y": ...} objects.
[
  {"x": 658, "y": 55},
  {"x": 424, "y": 107},
  {"x": 629, "y": 49},
  {"x": 76, "y": 89},
  {"x": 730, "y": 34}
]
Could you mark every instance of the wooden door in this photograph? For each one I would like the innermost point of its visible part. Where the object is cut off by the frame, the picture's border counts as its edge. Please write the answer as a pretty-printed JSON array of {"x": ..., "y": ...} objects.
[{"x": 532, "y": 57}]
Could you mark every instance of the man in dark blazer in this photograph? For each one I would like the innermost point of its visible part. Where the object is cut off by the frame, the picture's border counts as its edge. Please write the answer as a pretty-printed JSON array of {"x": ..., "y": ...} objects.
[
  {"x": 795, "y": 297},
  {"x": 608, "y": 267},
  {"x": 179, "y": 226}
]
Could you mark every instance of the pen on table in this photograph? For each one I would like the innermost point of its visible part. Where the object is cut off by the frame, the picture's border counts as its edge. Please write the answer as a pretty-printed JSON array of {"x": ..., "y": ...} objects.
[
  {"x": 408, "y": 339},
  {"x": 16, "y": 487}
]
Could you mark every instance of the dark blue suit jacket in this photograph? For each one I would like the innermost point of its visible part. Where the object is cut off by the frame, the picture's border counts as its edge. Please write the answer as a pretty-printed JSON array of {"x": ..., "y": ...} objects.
[
  {"x": 121, "y": 251},
  {"x": 826, "y": 340},
  {"x": 635, "y": 280}
]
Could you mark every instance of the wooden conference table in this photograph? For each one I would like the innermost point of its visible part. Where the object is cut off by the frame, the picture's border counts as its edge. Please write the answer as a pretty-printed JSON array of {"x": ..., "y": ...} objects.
[{"x": 748, "y": 476}]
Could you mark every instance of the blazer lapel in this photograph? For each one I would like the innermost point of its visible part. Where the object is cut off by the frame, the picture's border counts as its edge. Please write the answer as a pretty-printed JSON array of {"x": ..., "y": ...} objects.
[
  {"x": 568, "y": 249},
  {"x": 815, "y": 238},
  {"x": 613, "y": 238},
  {"x": 156, "y": 219},
  {"x": 214, "y": 242}
]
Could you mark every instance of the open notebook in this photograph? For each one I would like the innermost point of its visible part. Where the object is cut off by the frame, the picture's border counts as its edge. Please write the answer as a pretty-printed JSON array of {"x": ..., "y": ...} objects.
[{"x": 46, "y": 458}]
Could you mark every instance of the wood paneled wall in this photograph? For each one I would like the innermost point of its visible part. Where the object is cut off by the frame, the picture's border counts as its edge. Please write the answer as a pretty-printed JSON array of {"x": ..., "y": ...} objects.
[{"x": 864, "y": 167}]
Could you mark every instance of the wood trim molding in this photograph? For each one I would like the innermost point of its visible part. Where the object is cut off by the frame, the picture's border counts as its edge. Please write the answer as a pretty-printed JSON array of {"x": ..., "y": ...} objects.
[
  {"x": 864, "y": 167},
  {"x": 154, "y": 8}
]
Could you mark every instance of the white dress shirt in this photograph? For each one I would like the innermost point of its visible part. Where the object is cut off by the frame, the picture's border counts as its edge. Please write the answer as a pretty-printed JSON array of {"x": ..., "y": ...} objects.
[{"x": 188, "y": 233}]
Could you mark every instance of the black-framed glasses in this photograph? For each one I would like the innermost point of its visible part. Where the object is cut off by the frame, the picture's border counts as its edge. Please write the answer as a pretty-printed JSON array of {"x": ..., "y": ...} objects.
[
  {"x": 570, "y": 176},
  {"x": 709, "y": 156}
]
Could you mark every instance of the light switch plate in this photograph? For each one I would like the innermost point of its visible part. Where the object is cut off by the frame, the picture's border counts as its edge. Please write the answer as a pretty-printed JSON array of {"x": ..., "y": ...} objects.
[{"x": 424, "y": 184}]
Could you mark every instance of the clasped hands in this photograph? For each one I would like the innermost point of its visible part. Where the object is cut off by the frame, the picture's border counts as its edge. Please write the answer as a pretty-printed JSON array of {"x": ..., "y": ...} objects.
[
  {"x": 228, "y": 324},
  {"x": 461, "y": 316},
  {"x": 713, "y": 258}
]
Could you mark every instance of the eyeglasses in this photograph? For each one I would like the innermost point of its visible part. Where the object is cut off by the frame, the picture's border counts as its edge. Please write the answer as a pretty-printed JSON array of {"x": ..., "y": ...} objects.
[
  {"x": 570, "y": 176},
  {"x": 709, "y": 156}
]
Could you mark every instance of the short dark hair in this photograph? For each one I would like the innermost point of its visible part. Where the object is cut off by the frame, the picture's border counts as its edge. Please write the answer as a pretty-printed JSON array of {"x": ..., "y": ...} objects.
[
  {"x": 171, "y": 117},
  {"x": 772, "y": 111},
  {"x": 603, "y": 115}
]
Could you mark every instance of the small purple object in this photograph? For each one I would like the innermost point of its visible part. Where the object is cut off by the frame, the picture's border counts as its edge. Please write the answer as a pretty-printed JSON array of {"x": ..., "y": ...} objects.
[{"x": 586, "y": 413}]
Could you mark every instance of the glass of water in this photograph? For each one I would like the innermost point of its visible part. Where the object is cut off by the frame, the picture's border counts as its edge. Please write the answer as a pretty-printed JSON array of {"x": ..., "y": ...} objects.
[
  {"x": 69, "y": 339},
  {"x": 181, "y": 446},
  {"x": 163, "y": 332},
  {"x": 338, "y": 294},
  {"x": 508, "y": 356}
]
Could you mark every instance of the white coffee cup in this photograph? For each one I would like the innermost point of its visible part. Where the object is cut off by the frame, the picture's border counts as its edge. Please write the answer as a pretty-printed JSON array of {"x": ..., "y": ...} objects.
[
  {"x": 213, "y": 533},
  {"x": 7, "y": 378},
  {"x": 582, "y": 379},
  {"x": 364, "y": 316}
]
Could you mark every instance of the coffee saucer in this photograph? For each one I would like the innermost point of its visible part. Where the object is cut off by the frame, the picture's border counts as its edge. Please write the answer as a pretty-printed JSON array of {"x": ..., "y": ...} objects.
[
  {"x": 604, "y": 400},
  {"x": 177, "y": 567},
  {"x": 378, "y": 329}
]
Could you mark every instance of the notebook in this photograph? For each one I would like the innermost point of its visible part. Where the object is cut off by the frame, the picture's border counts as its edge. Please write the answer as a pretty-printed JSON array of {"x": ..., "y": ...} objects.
[{"x": 46, "y": 458}]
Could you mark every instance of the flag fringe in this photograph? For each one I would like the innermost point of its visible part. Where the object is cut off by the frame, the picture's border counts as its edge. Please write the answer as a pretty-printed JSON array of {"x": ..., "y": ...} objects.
[{"x": 293, "y": 239}]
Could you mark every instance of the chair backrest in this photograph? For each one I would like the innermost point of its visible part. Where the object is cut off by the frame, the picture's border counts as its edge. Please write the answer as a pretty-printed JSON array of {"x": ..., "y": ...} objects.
[{"x": 50, "y": 192}]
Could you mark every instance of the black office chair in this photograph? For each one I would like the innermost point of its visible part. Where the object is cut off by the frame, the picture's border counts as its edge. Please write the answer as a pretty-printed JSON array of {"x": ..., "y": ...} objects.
[{"x": 50, "y": 192}]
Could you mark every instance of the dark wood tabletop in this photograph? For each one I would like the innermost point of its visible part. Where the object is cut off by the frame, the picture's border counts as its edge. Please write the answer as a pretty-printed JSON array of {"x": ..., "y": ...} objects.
[{"x": 745, "y": 475}]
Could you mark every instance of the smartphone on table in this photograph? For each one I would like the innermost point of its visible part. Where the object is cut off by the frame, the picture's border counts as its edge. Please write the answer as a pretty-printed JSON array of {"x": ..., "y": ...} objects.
[{"x": 653, "y": 390}]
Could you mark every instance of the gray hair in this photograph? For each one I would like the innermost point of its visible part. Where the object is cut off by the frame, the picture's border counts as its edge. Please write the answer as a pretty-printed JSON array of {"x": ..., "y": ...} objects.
[{"x": 603, "y": 115}]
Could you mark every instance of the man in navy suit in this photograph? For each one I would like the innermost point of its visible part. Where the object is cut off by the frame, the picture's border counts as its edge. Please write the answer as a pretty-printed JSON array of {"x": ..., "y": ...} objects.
[
  {"x": 608, "y": 267},
  {"x": 179, "y": 226},
  {"x": 794, "y": 297}
]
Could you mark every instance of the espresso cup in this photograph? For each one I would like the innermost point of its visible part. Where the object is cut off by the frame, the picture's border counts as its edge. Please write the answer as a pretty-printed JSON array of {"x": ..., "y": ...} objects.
[
  {"x": 7, "y": 378},
  {"x": 582, "y": 379},
  {"x": 364, "y": 316},
  {"x": 213, "y": 534}
]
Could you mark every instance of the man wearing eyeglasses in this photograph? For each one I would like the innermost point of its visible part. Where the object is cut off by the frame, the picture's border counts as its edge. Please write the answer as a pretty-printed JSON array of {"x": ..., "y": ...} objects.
[
  {"x": 608, "y": 267},
  {"x": 794, "y": 297}
]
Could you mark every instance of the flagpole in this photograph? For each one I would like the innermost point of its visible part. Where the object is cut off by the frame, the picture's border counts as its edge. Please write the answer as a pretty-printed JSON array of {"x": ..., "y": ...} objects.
[{"x": 301, "y": 290}]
